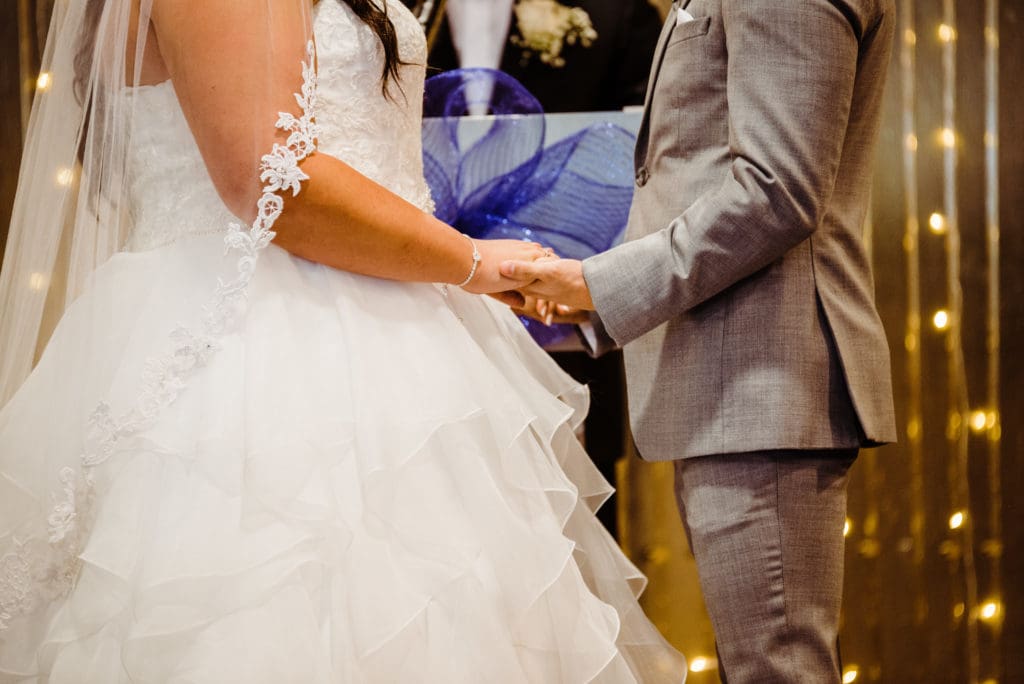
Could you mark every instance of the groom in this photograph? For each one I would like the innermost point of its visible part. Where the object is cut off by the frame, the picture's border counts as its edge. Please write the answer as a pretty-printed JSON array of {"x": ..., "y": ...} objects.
[{"x": 755, "y": 358}]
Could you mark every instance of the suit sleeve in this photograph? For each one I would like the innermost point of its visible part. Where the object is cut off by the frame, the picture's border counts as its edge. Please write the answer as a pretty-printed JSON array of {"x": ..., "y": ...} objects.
[{"x": 790, "y": 79}]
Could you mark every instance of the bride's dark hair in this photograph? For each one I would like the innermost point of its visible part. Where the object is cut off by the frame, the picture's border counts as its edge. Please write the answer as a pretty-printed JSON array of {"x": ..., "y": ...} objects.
[{"x": 368, "y": 12}]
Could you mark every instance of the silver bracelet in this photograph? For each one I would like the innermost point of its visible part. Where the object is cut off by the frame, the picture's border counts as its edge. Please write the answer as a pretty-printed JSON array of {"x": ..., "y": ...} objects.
[{"x": 476, "y": 262}]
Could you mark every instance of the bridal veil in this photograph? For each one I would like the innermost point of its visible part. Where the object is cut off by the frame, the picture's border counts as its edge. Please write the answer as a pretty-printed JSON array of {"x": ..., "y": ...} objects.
[{"x": 72, "y": 210}]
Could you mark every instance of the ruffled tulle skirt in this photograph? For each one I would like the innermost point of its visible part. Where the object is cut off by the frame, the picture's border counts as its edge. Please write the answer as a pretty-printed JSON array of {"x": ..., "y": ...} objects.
[{"x": 368, "y": 481}]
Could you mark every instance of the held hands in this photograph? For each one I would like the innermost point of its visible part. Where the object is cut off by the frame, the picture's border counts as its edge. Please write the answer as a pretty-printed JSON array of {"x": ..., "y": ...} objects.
[
  {"x": 547, "y": 312},
  {"x": 532, "y": 281},
  {"x": 555, "y": 293},
  {"x": 551, "y": 279}
]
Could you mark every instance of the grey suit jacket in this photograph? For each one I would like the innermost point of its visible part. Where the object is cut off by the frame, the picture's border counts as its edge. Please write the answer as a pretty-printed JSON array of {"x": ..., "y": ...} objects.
[{"x": 743, "y": 295}]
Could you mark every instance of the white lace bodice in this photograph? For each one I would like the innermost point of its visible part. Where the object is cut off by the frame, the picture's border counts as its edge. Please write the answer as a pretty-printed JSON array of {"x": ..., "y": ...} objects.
[{"x": 172, "y": 193}]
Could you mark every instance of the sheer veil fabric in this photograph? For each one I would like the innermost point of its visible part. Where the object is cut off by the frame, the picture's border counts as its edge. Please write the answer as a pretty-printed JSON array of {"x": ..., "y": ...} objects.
[
  {"x": 71, "y": 211},
  {"x": 74, "y": 212},
  {"x": 220, "y": 462}
]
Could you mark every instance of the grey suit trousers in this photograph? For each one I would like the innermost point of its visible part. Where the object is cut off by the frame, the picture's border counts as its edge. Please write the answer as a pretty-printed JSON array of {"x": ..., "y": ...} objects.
[{"x": 747, "y": 517}]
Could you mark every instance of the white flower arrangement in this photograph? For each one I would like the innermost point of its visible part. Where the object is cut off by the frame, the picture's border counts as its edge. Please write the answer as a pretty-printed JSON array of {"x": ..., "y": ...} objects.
[{"x": 546, "y": 26}]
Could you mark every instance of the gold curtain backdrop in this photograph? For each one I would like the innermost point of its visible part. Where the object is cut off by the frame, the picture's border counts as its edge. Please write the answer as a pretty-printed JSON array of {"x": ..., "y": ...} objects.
[{"x": 935, "y": 546}]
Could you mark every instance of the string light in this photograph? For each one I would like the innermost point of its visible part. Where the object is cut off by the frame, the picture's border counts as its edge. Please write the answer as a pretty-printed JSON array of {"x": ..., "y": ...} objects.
[
  {"x": 847, "y": 528},
  {"x": 941, "y": 319},
  {"x": 850, "y": 674},
  {"x": 978, "y": 421},
  {"x": 947, "y": 137},
  {"x": 991, "y": 36},
  {"x": 44, "y": 81},
  {"x": 947, "y": 34},
  {"x": 992, "y": 327},
  {"x": 37, "y": 281},
  {"x": 65, "y": 177},
  {"x": 989, "y": 611},
  {"x": 702, "y": 664},
  {"x": 937, "y": 223},
  {"x": 914, "y": 543},
  {"x": 956, "y": 521}
]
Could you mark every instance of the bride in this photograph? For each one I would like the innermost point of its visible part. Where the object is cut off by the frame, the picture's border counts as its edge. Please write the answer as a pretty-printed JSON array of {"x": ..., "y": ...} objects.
[{"x": 257, "y": 424}]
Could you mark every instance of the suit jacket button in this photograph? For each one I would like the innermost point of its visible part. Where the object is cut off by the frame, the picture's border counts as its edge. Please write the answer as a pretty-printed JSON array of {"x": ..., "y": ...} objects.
[{"x": 642, "y": 176}]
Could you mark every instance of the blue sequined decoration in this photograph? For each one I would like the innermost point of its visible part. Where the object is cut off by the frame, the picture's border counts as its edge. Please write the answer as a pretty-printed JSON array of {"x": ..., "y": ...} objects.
[{"x": 573, "y": 196}]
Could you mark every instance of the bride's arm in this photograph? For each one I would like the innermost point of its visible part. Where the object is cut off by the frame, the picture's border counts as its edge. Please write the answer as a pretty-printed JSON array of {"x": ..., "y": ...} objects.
[
  {"x": 235, "y": 64},
  {"x": 345, "y": 220}
]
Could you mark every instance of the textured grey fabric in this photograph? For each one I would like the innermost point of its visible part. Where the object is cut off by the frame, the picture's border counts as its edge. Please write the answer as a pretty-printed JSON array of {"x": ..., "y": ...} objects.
[
  {"x": 743, "y": 295},
  {"x": 767, "y": 533}
]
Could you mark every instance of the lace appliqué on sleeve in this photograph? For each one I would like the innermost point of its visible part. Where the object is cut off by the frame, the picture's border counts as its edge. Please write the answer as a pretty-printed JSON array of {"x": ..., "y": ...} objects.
[{"x": 37, "y": 570}]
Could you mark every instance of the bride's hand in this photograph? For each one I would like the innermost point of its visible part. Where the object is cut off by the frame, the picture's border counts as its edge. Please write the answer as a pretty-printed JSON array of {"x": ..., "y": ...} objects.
[
  {"x": 487, "y": 279},
  {"x": 547, "y": 311}
]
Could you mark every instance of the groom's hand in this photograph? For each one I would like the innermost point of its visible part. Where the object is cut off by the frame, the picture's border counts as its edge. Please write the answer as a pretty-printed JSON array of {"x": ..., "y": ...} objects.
[{"x": 558, "y": 280}]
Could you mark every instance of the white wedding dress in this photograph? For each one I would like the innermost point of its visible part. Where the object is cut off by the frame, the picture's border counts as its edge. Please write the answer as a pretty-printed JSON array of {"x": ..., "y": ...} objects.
[{"x": 368, "y": 481}]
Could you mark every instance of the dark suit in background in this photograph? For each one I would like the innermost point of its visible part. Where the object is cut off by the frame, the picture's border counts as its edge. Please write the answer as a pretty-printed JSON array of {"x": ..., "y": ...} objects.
[{"x": 608, "y": 75}]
